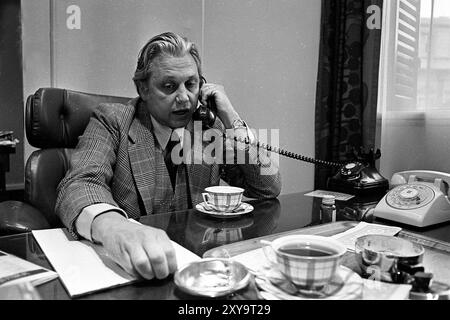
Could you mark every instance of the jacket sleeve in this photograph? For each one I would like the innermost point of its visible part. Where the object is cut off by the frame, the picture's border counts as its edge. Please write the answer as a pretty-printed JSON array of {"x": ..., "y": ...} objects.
[{"x": 91, "y": 166}]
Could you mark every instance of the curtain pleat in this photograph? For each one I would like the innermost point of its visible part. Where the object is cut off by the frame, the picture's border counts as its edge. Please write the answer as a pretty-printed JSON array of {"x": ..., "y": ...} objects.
[{"x": 346, "y": 97}]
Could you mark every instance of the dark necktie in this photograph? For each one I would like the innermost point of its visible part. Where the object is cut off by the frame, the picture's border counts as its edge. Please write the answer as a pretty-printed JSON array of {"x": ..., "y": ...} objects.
[{"x": 171, "y": 167}]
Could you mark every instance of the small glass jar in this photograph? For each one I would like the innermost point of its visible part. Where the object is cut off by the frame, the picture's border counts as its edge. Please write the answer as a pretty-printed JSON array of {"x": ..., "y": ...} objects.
[{"x": 328, "y": 209}]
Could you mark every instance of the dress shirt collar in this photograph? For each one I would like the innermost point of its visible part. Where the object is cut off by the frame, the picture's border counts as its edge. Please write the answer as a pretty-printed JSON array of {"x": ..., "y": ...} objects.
[{"x": 163, "y": 133}]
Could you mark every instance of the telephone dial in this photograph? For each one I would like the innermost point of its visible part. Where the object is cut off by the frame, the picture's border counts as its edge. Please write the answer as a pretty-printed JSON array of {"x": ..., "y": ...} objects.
[
  {"x": 417, "y": 198},
  {"x": 357, "y": 177}
]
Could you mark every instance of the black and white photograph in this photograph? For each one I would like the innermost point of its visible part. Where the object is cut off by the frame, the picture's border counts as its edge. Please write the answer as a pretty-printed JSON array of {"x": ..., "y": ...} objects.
[{"x": 225, "y": 158}]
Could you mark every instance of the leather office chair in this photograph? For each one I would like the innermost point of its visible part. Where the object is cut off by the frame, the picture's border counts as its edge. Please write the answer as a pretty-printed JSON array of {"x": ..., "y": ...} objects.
[{"x": 54, "y": 119}]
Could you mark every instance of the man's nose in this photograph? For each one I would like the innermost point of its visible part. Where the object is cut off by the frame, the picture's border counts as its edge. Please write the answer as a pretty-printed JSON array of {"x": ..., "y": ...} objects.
[{"x": 182, "y": 95}]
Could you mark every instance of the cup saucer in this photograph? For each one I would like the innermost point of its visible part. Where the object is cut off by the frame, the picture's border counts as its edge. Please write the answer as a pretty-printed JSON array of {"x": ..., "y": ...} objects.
[
  {"x": 345, "y": 285},
  {"x": 244, "y": 208}
]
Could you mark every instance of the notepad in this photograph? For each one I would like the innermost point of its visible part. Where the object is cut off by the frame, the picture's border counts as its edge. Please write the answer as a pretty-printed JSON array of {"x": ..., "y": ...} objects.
[{"x": 84, "y": 267}]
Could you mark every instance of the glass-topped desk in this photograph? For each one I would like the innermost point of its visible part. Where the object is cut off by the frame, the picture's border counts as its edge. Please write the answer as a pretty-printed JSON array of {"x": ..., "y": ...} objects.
[{"x": 201, "y": 234}]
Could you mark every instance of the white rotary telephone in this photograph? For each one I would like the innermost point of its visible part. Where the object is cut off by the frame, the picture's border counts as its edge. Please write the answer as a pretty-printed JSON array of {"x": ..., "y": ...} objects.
[{"x": 418, "y": 198}]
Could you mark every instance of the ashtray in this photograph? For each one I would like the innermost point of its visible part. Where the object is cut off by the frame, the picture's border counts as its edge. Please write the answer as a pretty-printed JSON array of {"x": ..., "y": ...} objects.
[
  {"x": 380, "y": 255},
  {"x": 212, "y": 277}
]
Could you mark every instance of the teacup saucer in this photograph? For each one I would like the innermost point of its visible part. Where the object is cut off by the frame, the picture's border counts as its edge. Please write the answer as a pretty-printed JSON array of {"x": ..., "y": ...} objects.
[
  {"x": 244, "y": 208},
  {"x": 346, "y": 285}
]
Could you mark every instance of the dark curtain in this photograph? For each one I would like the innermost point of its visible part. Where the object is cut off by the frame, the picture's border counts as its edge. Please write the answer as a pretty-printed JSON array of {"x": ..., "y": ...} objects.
[{"x": 346, "y": 100}]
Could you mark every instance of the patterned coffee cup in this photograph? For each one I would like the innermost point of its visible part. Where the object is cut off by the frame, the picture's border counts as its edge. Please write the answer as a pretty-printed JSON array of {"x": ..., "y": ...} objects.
[
  {"x": 223, "y": 198},
  {"x": 309, "y": 261}
]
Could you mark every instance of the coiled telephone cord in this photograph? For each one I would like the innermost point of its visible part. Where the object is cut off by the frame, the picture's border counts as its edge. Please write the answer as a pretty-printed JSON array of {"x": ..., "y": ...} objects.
[{"x": 286, "y": 153}]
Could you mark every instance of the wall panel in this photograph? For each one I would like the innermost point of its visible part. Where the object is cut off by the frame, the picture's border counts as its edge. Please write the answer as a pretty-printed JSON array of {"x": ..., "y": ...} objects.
[
  {"x": 266, "y": 52},
  {"x": 101, "y": 55}
]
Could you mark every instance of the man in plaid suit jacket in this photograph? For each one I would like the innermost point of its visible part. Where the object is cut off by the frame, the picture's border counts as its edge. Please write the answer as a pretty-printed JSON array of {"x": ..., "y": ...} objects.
[{"x": 118, "y": 170}]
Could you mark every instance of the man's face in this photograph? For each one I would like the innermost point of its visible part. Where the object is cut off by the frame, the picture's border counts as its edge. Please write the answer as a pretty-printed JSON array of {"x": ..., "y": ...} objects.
[{"x": 171, "y": 92}]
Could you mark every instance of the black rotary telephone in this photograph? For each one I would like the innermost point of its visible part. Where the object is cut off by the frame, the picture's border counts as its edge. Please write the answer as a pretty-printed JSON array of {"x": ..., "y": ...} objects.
[
  {"x": 356, "y": 177},
  {"x": 360, "y": 177}
]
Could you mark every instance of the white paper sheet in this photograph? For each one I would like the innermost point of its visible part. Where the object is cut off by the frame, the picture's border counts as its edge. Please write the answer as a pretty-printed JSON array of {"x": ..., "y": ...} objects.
[
  {"x": 83, "y": 267},
  {"x": 338, "y": 195},
  {"x": 15, "y": 270},
  {"x": 348, "y": 238}
]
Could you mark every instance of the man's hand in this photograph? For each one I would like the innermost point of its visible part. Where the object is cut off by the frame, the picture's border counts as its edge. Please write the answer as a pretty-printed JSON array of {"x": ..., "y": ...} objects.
[
  {"x": 225, "y": 109},
  {"x": 139, "y": 249}
]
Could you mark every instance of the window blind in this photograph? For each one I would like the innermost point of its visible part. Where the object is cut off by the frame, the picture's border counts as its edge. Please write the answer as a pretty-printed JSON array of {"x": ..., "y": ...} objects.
[{"x": 406, "y": 63}]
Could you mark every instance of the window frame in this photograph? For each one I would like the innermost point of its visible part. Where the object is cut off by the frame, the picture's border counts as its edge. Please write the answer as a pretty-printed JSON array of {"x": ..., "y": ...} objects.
[{"x": 388, "y": 71}]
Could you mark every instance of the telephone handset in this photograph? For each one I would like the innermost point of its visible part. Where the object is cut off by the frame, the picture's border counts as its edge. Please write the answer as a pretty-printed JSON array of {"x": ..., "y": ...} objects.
[
  {"x": 206, "y": 114},
  {"x": 356, "y": 177},
  {"x": 417, "y": 198}
]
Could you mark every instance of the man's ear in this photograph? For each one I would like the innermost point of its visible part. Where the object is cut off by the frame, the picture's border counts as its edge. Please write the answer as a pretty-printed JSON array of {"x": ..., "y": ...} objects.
[
  {"x": 202, "y": 81},
  {"x": 143, "y": 89}
]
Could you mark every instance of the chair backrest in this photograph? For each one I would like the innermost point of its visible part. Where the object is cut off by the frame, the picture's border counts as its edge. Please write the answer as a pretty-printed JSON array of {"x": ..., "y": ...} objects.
[{"x": 54, "y": 120}]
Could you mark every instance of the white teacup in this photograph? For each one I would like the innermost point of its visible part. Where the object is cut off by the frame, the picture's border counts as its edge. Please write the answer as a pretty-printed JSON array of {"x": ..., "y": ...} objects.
[{"x": 223, "y": 198}]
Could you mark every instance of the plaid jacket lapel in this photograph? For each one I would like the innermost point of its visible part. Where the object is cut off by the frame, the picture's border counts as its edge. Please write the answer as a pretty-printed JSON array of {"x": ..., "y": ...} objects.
[{"x": 141, "y": 150}]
